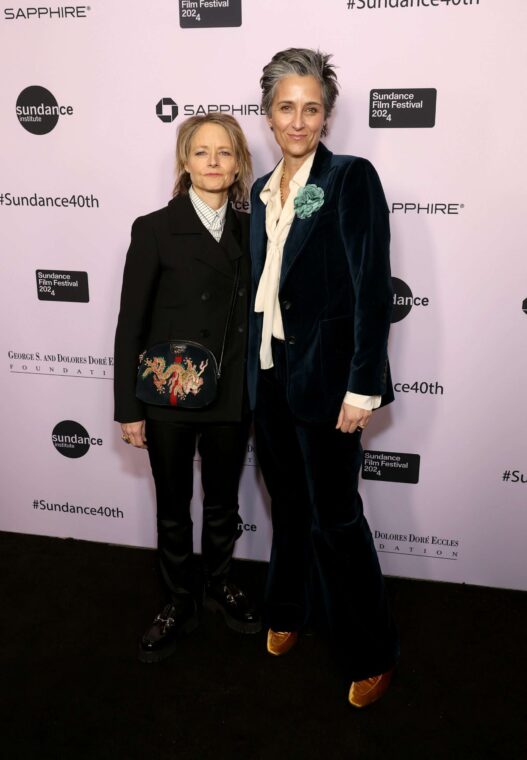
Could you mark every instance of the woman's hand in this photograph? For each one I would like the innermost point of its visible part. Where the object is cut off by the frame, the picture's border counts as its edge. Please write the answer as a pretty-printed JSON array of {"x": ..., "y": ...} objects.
[
  {"x": 352, "y": 418},
  {"x": 134, "y": 433}
]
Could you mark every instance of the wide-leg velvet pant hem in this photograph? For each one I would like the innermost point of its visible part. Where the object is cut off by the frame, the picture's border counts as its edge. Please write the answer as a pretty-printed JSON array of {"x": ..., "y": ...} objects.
[{"x": 324, "y": 571}]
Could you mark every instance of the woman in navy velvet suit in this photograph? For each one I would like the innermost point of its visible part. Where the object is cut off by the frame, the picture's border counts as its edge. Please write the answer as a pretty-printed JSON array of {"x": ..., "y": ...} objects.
[{"x": 318, "y": 366}]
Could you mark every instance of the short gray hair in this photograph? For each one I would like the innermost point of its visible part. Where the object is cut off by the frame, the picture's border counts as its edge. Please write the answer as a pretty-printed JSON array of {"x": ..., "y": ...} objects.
[{"x": 301, "y": 62}]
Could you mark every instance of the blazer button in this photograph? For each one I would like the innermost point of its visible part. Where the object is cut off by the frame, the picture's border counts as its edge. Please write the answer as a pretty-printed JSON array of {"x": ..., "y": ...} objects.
[
  {"x": 240, "y": 328},
  {"x": 291, "y": 340},
  {"x": 286, "y": 305},
  {"x": 204, "y": 333},
  {"x": 205, "y": 296},
  {"x": 241, "y": 292}
]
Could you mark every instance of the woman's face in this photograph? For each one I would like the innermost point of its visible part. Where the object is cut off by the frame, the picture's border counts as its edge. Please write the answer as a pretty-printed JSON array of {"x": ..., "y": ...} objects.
[
  {"x": 297, "y": 115},
  {"x": 211, "y": 162}
]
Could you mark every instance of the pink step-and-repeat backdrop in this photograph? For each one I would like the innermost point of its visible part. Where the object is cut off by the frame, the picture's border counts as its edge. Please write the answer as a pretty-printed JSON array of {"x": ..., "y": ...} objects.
[{"x": 432, "y": 94}]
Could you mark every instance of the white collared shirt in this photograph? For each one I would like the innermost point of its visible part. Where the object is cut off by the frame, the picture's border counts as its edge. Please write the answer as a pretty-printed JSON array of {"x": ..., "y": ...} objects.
[
  {"x": 278, "y": 221},
  {"x": 212, "y": 219}
]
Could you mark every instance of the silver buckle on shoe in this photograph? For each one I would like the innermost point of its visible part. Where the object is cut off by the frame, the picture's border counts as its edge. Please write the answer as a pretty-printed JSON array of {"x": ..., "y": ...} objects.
[{"x": 165, "y": 621}]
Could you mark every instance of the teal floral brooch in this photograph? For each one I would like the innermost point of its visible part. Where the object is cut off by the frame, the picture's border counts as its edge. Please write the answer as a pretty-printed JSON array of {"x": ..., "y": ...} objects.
[{"x": 308, "y": 200}]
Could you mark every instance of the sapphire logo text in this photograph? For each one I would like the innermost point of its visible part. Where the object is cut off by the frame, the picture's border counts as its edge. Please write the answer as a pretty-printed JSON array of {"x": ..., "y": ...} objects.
[{"x": 37, "y": 13}]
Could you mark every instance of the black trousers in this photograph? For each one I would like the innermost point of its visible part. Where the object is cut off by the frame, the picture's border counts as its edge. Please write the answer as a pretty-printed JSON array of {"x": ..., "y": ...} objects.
[
  {"x": 324, "y": 568},
  {"x": 171, "y": 448}
]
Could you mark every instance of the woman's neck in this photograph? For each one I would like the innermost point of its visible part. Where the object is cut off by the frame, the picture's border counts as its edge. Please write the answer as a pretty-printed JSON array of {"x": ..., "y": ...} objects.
[
  {"x": 214, "y": 200},
  {"x": 289, "y": 168},
  {"x": 292, "y": 164}
]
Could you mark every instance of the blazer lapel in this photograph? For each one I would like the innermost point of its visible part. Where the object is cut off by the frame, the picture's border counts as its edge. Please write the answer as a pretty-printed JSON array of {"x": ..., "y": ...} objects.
[
  {"x": 301, "y": 228},
  {"x": 230, "y": 240},
  {"x": 185, "y": 221}
]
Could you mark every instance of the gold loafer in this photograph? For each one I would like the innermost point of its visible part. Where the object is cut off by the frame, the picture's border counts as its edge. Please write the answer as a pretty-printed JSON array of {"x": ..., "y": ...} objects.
[
  {"x": 365, "y": 692},
  {"x": 280, "y": 642}
]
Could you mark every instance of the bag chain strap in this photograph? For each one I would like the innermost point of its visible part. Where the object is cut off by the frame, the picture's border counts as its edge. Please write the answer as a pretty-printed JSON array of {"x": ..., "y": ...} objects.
[{"x": 231, "y": 311}]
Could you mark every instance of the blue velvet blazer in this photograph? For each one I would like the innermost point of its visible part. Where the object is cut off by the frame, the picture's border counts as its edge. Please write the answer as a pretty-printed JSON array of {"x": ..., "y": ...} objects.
[{"x": 335, "y": 290}]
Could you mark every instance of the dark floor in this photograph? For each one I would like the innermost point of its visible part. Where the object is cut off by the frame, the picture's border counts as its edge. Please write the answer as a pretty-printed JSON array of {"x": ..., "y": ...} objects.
[{"x": 71, "y": 686}]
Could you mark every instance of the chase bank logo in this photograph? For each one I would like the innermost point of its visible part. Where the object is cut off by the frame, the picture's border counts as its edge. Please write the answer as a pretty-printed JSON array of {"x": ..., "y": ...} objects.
[{"x": 166, "y": 110}]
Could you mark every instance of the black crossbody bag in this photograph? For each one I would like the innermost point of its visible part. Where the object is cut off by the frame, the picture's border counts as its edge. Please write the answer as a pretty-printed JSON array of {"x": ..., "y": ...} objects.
[{"x": 182, "y": 373}]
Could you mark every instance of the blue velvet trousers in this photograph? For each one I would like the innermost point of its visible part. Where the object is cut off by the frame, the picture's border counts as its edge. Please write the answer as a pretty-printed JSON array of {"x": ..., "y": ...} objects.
[{"x": 324, "y": 571}]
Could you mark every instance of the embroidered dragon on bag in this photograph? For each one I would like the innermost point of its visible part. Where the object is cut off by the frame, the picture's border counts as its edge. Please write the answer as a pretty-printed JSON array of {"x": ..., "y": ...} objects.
[{"x": 182, "y": 377}]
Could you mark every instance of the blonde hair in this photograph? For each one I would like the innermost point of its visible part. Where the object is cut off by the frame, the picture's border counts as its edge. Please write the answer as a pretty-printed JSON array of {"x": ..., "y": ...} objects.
[{"x": 239, "y": 190}]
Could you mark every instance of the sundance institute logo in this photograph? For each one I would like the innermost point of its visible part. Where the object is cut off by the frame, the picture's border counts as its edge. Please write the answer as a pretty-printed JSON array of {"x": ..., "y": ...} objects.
[
  {"x": 38, "y": 111},
  {"x": 404, "y": 300},
  {"x": 72, "y": 440}
]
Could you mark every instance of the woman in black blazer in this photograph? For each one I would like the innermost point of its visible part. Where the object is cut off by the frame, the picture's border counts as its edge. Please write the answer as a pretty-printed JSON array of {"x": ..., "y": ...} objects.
[{"x": 178, "y": 283}]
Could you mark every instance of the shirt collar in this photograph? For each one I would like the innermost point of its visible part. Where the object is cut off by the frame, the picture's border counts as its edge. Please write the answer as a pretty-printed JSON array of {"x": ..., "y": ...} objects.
[
  {"x": 207, "y": 213},
  {"x": 272, "y": 186}
]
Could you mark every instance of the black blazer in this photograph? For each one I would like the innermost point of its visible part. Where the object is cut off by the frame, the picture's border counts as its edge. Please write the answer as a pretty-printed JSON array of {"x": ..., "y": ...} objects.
[
  {"x": 178, "y": 284},
  {"x": 335, "y": 290}
]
